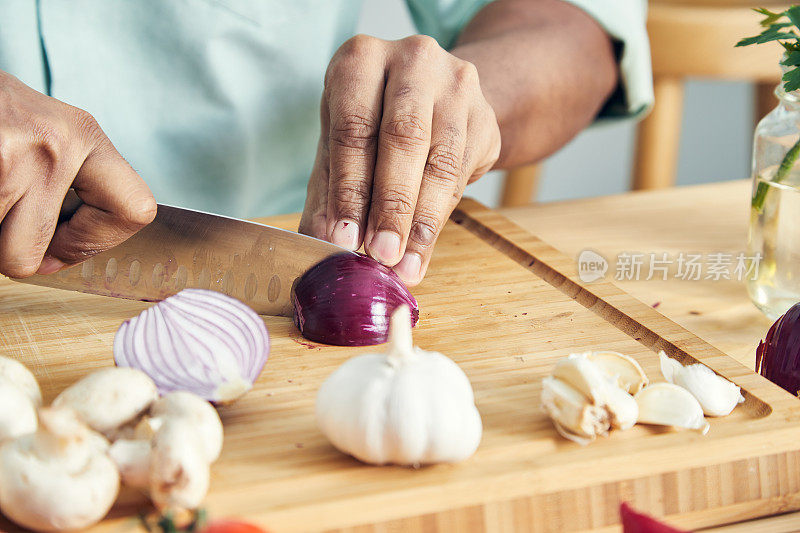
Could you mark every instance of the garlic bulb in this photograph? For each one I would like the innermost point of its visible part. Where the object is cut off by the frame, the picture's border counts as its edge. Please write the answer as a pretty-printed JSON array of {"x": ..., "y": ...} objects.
[
  {"x": 406, "y": 406},
  {"x": 717, "y": 395},
  {"x": 665, "y": 404}
]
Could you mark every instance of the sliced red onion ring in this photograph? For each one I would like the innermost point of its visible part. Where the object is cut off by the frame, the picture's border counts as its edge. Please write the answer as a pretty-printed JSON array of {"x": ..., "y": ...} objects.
[
  {"x": 198, "y": 341},
  {"x": 347, "y": 300}
]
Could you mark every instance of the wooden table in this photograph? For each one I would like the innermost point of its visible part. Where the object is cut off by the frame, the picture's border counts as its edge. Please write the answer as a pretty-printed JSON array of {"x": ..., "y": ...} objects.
[
  {"x": 700, "y": 219},
  {"x": 697, "y": 219}
]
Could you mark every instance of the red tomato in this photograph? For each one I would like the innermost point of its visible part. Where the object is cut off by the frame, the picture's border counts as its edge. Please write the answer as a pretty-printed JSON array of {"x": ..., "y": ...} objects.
[{"x": 231, "y": 526}]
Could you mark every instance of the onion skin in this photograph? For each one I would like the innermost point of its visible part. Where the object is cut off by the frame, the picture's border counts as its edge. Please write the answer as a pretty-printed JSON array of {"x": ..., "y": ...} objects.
[
  {"x": 347, "y": 299},
  {"x": 636, "y": 522},
  {"x": 778, "y": 355}
]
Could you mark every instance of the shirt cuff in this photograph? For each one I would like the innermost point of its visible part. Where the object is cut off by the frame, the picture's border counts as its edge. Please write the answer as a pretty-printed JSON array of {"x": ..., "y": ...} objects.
[{"x": 626, "y": 22}]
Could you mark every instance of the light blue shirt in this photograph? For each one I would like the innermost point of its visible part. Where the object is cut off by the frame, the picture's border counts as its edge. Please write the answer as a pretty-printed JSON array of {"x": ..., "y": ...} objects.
[{"x": 215, "y": 102}]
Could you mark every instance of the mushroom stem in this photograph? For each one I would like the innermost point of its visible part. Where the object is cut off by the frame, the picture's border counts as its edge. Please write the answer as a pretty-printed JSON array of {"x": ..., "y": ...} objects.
[{"x": 401, "y": 344}]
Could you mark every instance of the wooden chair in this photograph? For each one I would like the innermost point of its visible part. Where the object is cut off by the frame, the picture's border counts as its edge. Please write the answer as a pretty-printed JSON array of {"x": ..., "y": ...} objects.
[
  {"x": 696, "y": 38},
  {"x": 688, "y": 38}
]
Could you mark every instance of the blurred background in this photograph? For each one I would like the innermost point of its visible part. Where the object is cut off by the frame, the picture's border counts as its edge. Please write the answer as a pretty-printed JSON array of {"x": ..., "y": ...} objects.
[{"x": 716, "y": 133}]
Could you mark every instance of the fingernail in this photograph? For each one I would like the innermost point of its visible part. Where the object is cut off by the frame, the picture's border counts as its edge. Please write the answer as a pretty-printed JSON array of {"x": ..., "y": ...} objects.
[
  {"x": 345, "y": 233},
  {"x": 409, "y": 268},
  {"x": 49, "y": 265},
  {"x": 385, "y": 247}
]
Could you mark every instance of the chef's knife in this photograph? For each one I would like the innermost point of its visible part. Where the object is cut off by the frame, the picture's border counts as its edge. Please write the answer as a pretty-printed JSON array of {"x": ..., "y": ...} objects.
[{"x": 182, "y": 248}]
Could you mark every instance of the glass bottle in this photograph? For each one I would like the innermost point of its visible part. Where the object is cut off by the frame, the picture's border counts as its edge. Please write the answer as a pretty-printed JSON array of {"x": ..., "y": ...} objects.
[{"x": 773, "y": 281}]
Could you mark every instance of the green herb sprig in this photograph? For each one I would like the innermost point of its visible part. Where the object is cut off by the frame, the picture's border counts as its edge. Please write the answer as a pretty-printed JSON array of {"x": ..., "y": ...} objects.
[{"x": 782, "y": 27}]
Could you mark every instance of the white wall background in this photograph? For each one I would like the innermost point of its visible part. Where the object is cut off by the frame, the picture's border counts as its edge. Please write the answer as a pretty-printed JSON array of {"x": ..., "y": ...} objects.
[{"x": 715, "y": 143}]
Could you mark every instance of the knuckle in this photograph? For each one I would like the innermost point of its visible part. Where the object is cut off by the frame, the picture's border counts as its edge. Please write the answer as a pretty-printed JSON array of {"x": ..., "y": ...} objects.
[
  {"x": 404, "y": 131},
  {"x": 396, "y": 203},
  {"x": 22, "y": 259},
  {"x": 420, "y": 47},
  {"x": 86, "y": 125},
  {"x": 52, "y": 143},
  {"x": 355, "y": 130},
  {"x": 139, "y": 212},
  {"x": 18, "y": 268},
  {"x": 465, "y": 75},
  {"x": 444, "y": 164},
  {"x": 6, "y": 154},
  {"x": 349, "y": 197},
  {"x": 358, "y": 47},
  {"x": 424, "y": 229}
]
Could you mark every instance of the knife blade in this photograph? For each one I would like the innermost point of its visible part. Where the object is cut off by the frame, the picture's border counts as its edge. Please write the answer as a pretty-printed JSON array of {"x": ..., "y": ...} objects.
[{"x": 183, "y": 248}]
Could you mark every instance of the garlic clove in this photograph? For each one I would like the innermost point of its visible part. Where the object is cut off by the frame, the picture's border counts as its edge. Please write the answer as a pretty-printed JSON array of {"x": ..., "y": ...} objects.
[
  {"x": 665, "y": 404},
  {"x": 575, "y": 418},
  {"x": 623, "y": 370},
  {"x": 581, "y": 373},
  {"x": 622, "y": 408},
  {"x": 717, "y": 396},
  {"x": 669, "y": 366}
]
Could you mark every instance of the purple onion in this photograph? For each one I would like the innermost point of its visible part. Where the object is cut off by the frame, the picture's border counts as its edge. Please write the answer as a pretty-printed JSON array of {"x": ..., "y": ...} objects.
[
  {"x": 778, "y": 355},
  {"x": 347, "y": 300},
  {"x": 198, "y": 341}
]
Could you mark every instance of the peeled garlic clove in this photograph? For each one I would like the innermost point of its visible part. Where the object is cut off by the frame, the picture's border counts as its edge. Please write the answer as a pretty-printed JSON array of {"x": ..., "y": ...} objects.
[
  {"x": 716, "y": 395},
  {"x": 669, "y": 366},
  {"x": 580, "y": 372},
  {"x": 623, "y": 370},
  {"x": 665, "y": 404},
  {"x": 574, "y": 417},
  {"x": 622, "y": 408}
]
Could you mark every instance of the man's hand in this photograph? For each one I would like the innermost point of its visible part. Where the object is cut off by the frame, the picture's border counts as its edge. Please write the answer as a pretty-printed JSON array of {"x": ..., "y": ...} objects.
[
  {"x": 405, "y": 127},
  {"x": 46, "y": 147}
]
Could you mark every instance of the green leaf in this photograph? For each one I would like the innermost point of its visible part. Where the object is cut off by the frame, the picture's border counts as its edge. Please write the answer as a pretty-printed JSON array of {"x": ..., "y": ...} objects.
[
  {"x": 792, "y": 58},
  {"x": 794, "y": 15},
  {"x": 779, "y": 25},
  {"x": 770, "y": 16},
  {"x": 768, "y": 35},
  {"x": 791, "y": 80}
]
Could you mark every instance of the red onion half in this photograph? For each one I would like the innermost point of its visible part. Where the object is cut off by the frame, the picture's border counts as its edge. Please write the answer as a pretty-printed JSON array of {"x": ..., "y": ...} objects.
[
  {"x": 347, "y": 300},
  {"x": 199, "y": 341},
  {"x": 778, "y": 355}
]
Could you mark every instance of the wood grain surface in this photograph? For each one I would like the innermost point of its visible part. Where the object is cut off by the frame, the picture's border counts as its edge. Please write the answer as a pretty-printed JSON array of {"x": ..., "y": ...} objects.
[
  {"x": 702, "y": 219},
  {"x": 505, "y": 306}
]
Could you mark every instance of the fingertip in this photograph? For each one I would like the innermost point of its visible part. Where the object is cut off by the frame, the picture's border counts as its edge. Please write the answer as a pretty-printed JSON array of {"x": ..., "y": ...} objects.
[
  {"x": 50, "y": 265},
  {"x": 346, "y": 233},
  {"x": 410, "y": 268},
  {"x": 384, "y": 247}
]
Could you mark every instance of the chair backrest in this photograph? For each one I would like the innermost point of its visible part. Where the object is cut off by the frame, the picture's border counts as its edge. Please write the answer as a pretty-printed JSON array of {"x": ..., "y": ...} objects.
[{"x": 696, "y": 38}]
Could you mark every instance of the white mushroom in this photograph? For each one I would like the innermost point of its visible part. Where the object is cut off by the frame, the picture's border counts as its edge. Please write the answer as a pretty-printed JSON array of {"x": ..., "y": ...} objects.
[
  {"x": 109, "y": 398},
  {"x": 19, "y": 375},
  {"x": 196, "y": 410},
  {"x": 179, "y": 472},
  {"x": 170, "y": 450},
  {"x": 132, "y": 458},
  {"x": 59, "y": 477},
  {"x": 18, "y": 415}
]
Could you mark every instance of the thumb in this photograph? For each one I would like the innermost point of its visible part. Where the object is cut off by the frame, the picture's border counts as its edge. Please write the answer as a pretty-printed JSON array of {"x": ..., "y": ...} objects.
[{"x": 116, "y": 204}]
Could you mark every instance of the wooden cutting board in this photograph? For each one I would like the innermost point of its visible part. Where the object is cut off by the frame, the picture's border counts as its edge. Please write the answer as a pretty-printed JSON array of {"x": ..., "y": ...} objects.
[{"x": 505, "y": 306}]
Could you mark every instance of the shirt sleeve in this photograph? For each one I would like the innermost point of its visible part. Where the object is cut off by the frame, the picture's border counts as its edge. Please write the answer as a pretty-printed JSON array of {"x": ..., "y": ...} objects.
[
  {"x": 443, "y": 19},
  {"x": 625, "y": 21}
]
